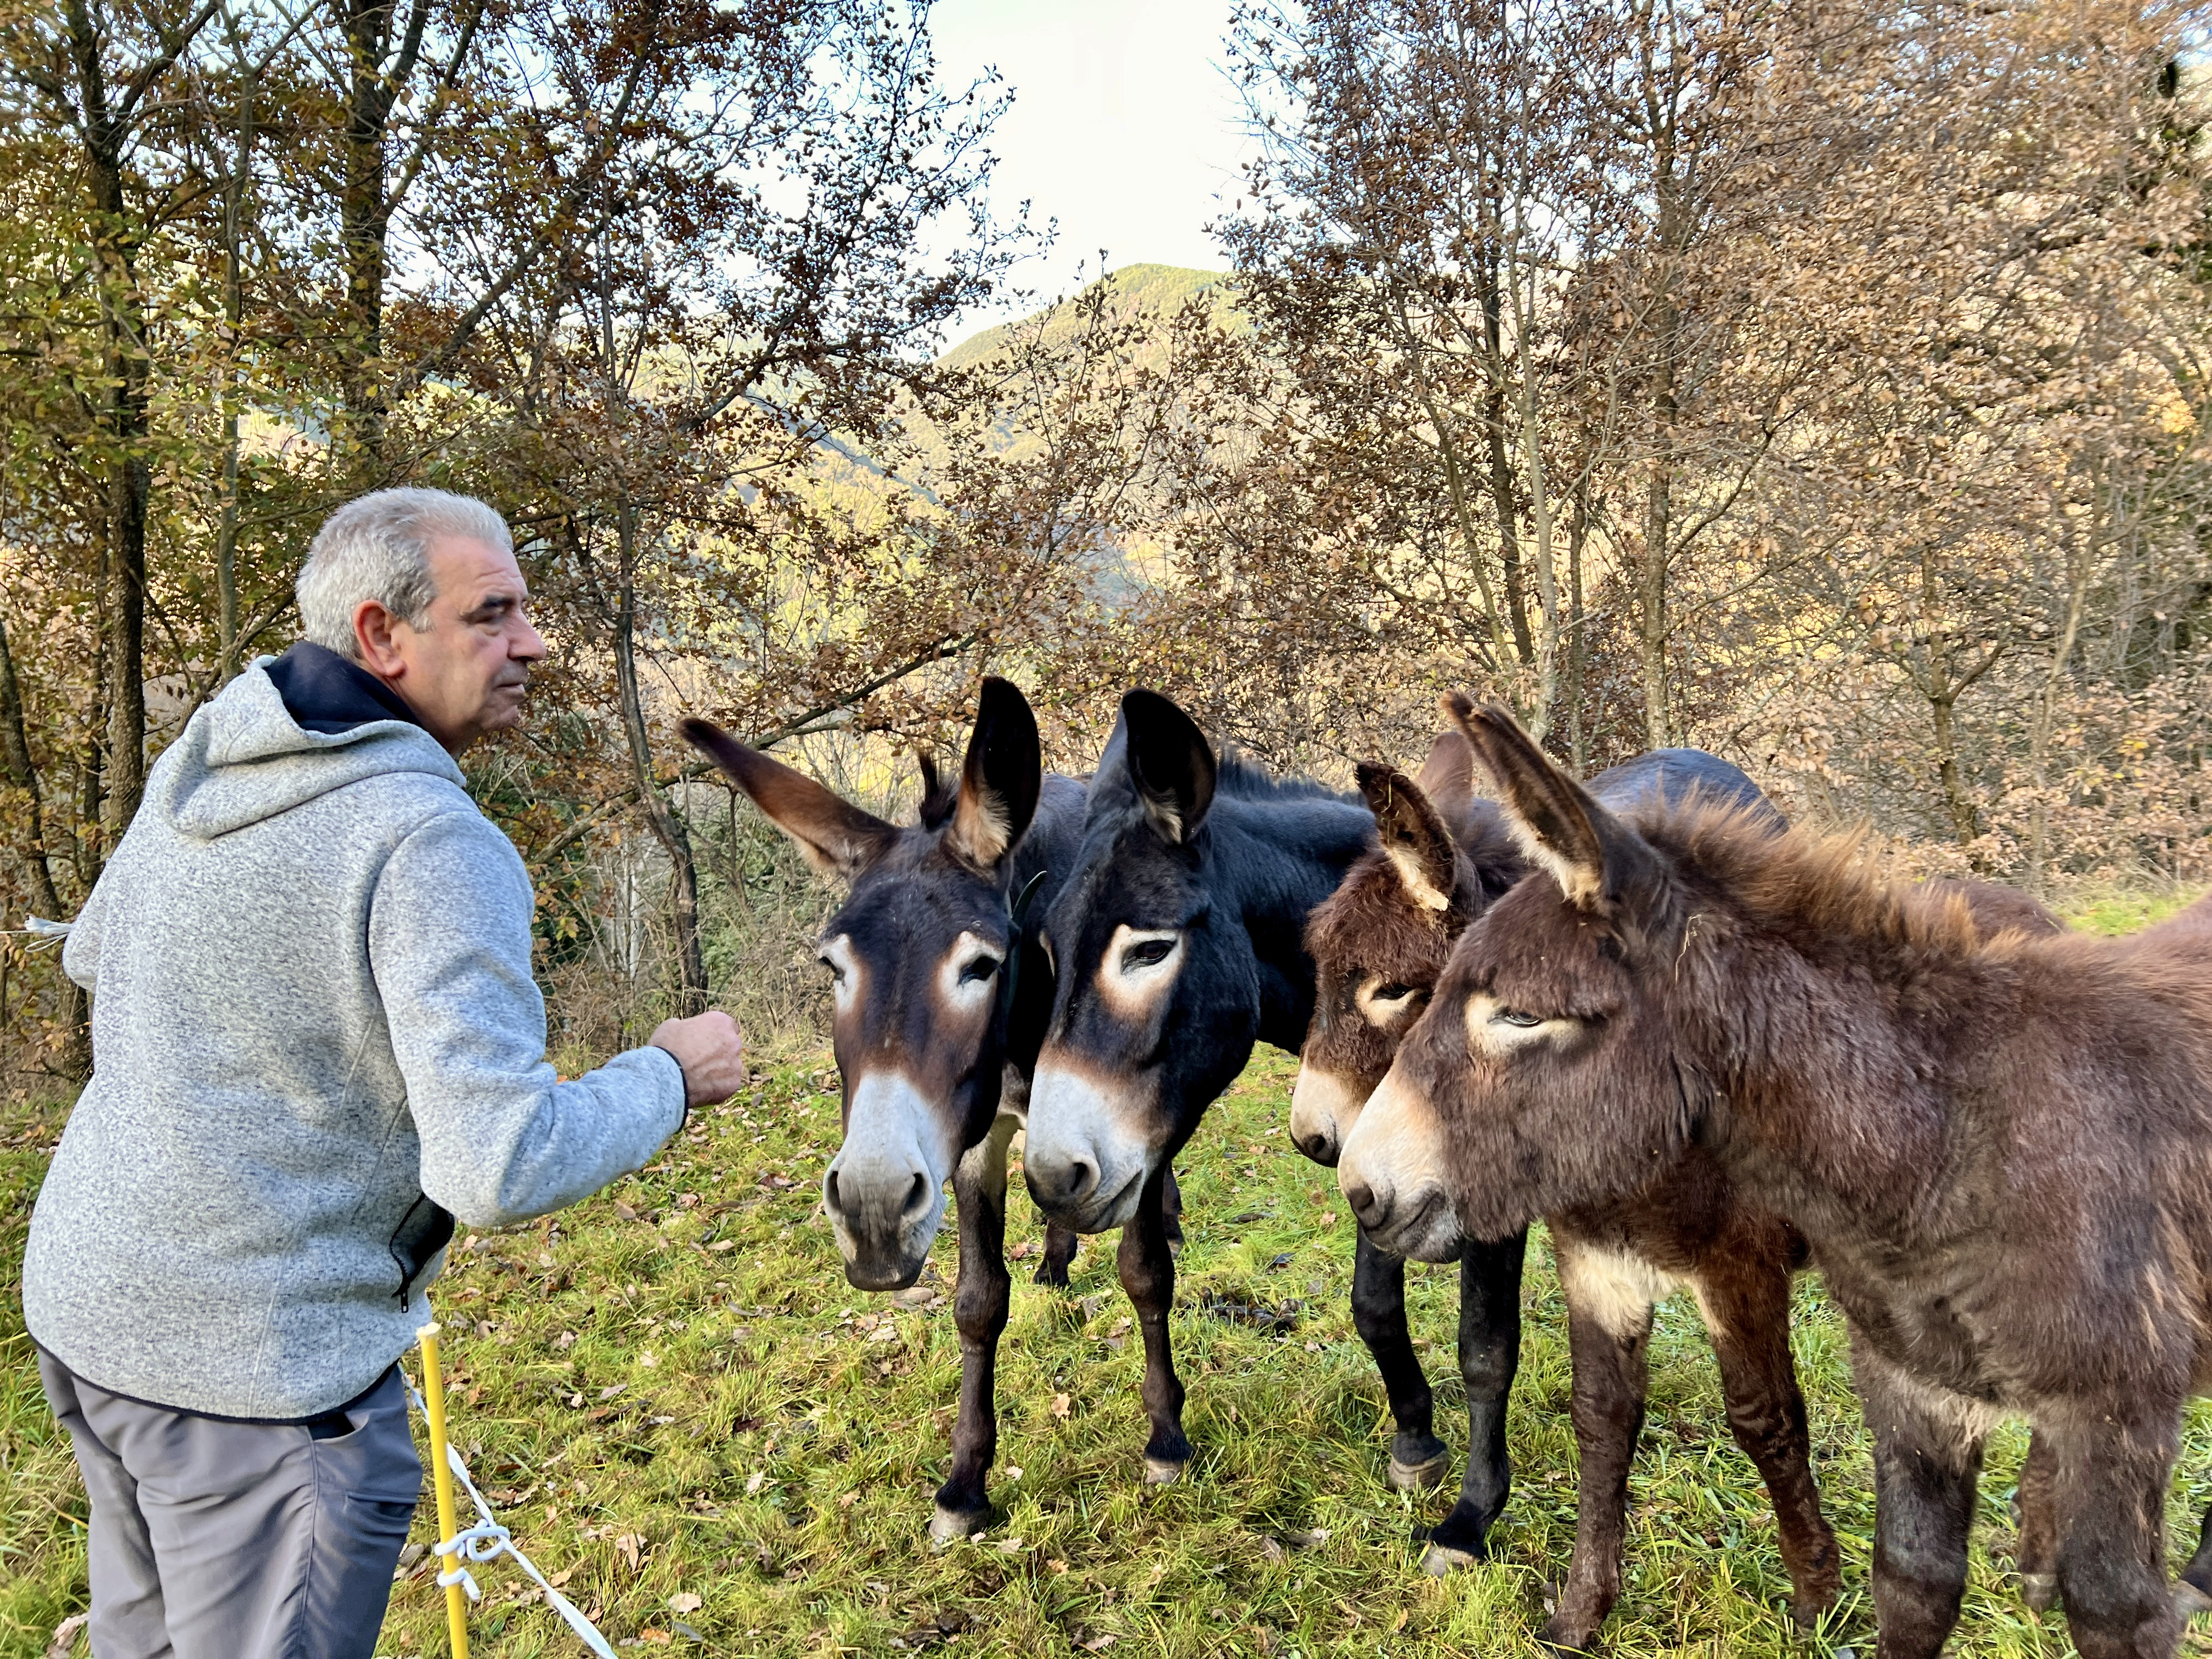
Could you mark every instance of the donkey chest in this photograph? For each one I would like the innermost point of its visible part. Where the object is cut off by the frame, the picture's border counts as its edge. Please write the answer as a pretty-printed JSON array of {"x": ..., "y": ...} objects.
[{"x": 1938, "y": 1313}]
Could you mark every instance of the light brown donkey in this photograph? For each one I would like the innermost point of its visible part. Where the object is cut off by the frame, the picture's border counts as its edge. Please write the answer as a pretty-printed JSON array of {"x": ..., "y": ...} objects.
[
  {"x": 1379, "y": 945},
  {"x": 2000, "y": 1148}
]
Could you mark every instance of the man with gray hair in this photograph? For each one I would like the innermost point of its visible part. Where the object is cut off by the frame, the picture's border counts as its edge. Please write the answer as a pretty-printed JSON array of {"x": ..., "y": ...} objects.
[{"x": 316, "y": 1041}]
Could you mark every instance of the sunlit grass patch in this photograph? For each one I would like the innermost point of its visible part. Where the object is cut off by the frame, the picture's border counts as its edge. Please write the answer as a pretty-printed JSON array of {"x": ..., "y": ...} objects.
[{"x": 683, "y": 1410}]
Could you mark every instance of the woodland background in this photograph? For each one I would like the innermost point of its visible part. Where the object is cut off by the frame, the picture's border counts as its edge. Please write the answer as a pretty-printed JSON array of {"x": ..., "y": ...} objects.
[{"x": 1822, "y": 385}]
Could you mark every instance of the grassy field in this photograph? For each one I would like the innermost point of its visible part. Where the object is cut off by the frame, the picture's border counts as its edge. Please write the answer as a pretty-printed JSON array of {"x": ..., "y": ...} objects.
[{"x": 712, "y": 1442}]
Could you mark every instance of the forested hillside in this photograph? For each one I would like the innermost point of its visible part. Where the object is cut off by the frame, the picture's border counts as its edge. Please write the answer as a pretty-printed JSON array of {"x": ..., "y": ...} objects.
[{"x": 1824, "y": 387}]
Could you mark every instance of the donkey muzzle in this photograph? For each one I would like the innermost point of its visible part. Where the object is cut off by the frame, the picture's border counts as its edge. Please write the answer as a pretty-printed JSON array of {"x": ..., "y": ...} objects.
[
  {"x": 1084, "y": 1162},
  {"x": 1324, "y": 1105},
  {"x": 1391, "y": 1173},
  {"x": 885, "y": 1189}
]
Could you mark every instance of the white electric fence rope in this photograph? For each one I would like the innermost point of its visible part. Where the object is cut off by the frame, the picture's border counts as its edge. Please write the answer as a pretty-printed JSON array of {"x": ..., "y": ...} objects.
[{"x": 488, "y": 1540}]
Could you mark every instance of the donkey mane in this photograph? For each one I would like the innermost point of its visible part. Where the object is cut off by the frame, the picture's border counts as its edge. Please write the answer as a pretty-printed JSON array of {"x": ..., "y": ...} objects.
[
  {"x": 1807, "y": 886},
  {"x": 940, "y": 794},
  {"x": 1251, "y": 779}
]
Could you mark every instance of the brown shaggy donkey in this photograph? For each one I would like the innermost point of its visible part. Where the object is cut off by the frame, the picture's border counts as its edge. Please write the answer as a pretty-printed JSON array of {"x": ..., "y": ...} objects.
[
  {"x": 1379, "y": 944},
  {"x": 2001, "y": 1149}
]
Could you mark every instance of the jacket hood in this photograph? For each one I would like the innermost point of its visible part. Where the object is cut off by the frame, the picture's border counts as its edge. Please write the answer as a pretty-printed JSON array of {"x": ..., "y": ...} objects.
[{"x": 242, "y": 758}]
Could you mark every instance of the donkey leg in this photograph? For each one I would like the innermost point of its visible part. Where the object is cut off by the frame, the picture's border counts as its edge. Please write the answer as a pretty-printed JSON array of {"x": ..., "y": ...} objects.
[
  {"x": 1148, "y": 1276},
  {"x": 2111, "y": 1472},
  {"x": 1059, "y": 1252},
  {"x": 1927, "y": 1458},
  {"x": 1174, "y": 1201},
  {"x": 979, "y": 1312},
  {"x": 1489, "y": 1355},
  {"x": 2035, "y": 1556},
  {"x": 1747, "y": 1312},
  {"x": 1611, "y": 1351},
  {"x": 1418, "y": 1458}
]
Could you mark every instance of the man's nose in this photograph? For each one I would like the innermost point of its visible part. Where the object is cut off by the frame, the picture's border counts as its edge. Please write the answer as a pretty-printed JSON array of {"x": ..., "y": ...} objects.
[{"x": 530, "y": 647}]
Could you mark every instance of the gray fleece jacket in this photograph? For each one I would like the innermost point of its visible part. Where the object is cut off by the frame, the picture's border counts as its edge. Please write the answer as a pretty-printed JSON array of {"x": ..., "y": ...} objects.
[{"x": 312, "y": 1010}]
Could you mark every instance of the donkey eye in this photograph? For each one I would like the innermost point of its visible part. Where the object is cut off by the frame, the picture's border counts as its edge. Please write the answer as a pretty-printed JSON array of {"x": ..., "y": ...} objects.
[
  {"x": 1515, "y": 1017},
  {"x": 1393, "y": 991},
  {"x": 978, "y": 969},
  {"x": 836, "y": 973},
  {"x": 1146, "y": 953}
]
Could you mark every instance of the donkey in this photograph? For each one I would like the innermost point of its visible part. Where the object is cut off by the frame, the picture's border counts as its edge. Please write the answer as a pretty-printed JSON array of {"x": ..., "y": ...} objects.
[
  {"x": 941, "y": 995},
  {"x": 1380, "y": 944},
  {"x": 1178, "y": 944},
  {"x": 2000, "y": 1148}
]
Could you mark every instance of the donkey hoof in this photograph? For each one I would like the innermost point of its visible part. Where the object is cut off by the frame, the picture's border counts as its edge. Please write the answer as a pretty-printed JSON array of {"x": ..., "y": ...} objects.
[
  {"x": 948, "y": 1527},
  {"x": 2189, "y": 1601},
  {"x": 1442, "y": 1560},
  {"x": 1162, "y": 1471},
  {"x": 2040, "y": 1591},
  {"x": 1052, "y": 1274},
  {"x": 1558, "y": 1638},
  {"x": 1420, "y": 1477}
]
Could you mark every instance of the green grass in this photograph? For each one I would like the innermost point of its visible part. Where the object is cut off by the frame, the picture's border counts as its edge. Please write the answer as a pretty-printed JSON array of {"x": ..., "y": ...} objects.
[
  {"x": 2123, "y": 911},
  {"x": 671, "y": 1392}
]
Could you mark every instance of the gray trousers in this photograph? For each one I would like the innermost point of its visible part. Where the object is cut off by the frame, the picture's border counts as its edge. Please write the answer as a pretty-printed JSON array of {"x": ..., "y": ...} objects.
[{"x": 213, "y": 1540}]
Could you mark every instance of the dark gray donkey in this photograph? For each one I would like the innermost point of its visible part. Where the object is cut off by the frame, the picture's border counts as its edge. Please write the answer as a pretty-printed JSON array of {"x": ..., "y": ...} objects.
[
  {"x": 1179, "y": 943},
  {"x": 942, "y": 996}
]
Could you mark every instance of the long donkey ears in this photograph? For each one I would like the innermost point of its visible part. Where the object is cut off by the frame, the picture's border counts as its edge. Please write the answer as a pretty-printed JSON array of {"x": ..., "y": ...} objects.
[
  {"x": 1411, "y": 832},
  {"x": 1171, "y": 764},
  {"x": 1447, "y": 777},
  {"x": 999, "y": 780},
  {"x": 1557, "y": 825},
  {"x": 837, "y": 837}
]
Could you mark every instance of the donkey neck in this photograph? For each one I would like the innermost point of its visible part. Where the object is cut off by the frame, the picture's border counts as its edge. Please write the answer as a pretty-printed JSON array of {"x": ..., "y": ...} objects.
[
  {"x": 1830, "y": 1061},
  {"x": 1272, "y": 861}
]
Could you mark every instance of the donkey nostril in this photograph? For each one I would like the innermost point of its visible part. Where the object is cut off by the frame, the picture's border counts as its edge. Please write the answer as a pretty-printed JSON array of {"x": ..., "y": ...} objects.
[
  {"x": 1314, "y": 1145},
  {"x": 1081, "y": 1178},
  {"x": 1361, "y": 1197},
  {"x": 917, "y": 1195},
  {"x": 830, "y": 1193}
]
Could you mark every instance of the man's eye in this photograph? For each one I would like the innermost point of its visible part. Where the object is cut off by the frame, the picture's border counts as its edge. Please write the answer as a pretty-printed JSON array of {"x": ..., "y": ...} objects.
[
  {"x": 1146, "y": 953},
  {"x": 1515, "y": 1017},
  {"x": 979, "y": 969}
]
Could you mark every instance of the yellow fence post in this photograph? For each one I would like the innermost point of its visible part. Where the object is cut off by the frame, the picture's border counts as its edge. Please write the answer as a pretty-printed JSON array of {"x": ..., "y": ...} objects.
[{"x": 442, "y": 1479}]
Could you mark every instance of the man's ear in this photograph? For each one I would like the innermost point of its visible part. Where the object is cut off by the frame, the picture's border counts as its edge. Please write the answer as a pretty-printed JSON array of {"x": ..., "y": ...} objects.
[
  {"x": 1000, "y": 779},
  {"x": 1410, "y": 831},
  {"x": 1171, "y": 764},
  {"x": 1560, "y": 828},
  {"x": 1447, "y": 777},
  {"x": 837, "y": 837}
]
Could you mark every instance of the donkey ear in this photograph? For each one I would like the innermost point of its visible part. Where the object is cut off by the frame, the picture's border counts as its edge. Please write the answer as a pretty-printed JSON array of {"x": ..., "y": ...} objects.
[
  {"x": 1411, "y": 832},
  {"x": 999, "y": 780},
  {"x": 1171, "y": 762},
  {"x": 1559, "y": 826},
  {"x": 837, "y": 837},
  {"x": 1447, "y": 777}
]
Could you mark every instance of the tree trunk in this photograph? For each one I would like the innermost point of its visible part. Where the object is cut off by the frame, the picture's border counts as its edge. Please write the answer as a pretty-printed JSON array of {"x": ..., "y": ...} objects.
[
  {"x": 232, "y": 393},
  {"x": 15, "y": 750},
  {"x": 666, "y": 823},
  {"x": 1501, "y": 471},
  {"x": 1577, "y": 641},
  {"x": 1651, "y": 609},
  {"x": 16, "y": 753},
  {"x": 1965, "y": 820},
  {"x": 123, "y": 412},
  {"x": 363, "y": 220}
]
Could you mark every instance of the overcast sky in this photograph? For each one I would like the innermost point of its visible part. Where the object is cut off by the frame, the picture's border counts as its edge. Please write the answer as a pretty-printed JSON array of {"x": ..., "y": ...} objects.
[{"x": 1123, "y": 127}]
